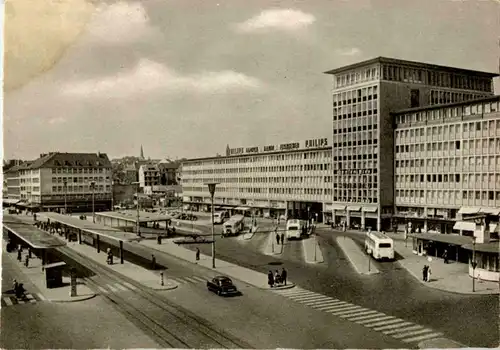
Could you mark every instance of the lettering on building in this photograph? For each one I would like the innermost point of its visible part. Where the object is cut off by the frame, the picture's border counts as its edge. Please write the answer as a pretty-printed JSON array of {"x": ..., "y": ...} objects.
[
  {"x": 252, "y": 150},
  {"x": 317, "y": 143},
  {"x": 353, "y": 171},
  {"x": 289, "y": 146},
  {"x": 233, "y": 151},
  {"x": 268, "y": 148}
]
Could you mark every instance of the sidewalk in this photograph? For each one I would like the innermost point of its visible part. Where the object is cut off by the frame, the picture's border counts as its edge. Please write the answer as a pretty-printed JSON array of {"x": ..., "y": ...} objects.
[
  {"x": 453, "y": 277},
  {"x": 272, "y": 247},
  {"x": 312, "y": 250},
  {"x": 236, "y": 272},
  {"x": 361, "y": 262},
  {"x": 57, "y": 295},
  {"x": 139, "y": 274}
]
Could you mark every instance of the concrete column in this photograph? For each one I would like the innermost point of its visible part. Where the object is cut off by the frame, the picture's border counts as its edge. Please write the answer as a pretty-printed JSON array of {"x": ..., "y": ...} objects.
[
  {"x": 363, "y": 226},
  {"x": 379, "y": 222},
  {"x": 121, "y": 252},
  {"x": 286, "y": 209},
  {"x": 79, "y": 236},
  {"x": 348, "y": 219},
  {"x": 333, "y": 217},
  {"x": 98, "y": 244},
  {"x": 425, "y": 225}
]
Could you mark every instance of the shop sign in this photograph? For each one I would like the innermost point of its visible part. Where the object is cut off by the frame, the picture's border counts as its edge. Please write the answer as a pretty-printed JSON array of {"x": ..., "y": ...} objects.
[
  {"x": 252, "y": 150},
  {"x": 353, "y": 171},
  {"x": 317, "y": 143},
  {"x": 289, "y": 146}
]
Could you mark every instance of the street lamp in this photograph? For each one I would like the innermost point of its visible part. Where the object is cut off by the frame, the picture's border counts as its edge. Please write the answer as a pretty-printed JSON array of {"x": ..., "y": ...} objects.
[
  {"x": 92, "y": 187},
  {"x": 137, "y": 228},
  {"x": 65, "y": 184},
  {"x": 211, "y": 189},
  {"x": 474, "y": 264}
]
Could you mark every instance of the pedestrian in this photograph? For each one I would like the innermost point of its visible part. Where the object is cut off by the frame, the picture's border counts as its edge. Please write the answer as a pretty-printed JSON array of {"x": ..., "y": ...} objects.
[
  {"x": 424, "y": 273},
  {"x": 270, "y": 279},
  {"x": 445, "y": 256},
  {"x": 277, "y": 277},
  {"x": 34, "y": 216},
  {"x": 283, "y": 276},
  {"x": 27, "y": 260},
  {"x": 277, "y": 238},
  {"x": 428, "y": 273},
  {"x": 282, "y": 238},
  {"x": 19, "y": 257},
  {"x": 197, "y": 254}
]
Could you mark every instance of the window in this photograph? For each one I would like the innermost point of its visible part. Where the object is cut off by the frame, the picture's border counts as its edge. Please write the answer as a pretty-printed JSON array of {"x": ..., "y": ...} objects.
[{"x": 457, "y": 145}]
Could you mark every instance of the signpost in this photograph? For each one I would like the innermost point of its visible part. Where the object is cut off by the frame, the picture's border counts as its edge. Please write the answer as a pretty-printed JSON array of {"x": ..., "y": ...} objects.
[{"x": 369, "y": 251}]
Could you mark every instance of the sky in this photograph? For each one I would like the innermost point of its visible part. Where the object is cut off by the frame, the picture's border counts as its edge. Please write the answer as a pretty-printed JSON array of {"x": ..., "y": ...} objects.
[{"x": 184, "y": 78}]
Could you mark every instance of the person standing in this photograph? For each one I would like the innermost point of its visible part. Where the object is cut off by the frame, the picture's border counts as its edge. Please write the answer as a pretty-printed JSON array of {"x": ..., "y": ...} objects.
[
  {"x": 277, "y": 278},
  {"x": 283, "y": 276},
  {"x": 270, "y": 279},
  {"x": 445, "y": 256},
  {"x": 282, "y": 238},
  {"x": 277, "y": 238},
  {"x": 19, "y": 252},
  {"x": 424, "y": 273},
  {"x": 428, "y": 273},
  {"x": 197, "y": 255}
]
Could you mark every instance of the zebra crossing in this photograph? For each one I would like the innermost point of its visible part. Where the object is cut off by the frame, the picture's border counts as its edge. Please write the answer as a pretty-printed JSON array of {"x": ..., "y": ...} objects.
[
  {"x": 11, "y": 300},
  {"x": 116, "y": 287},
  {"x": 394, "y": 327},
  {"x": 189, "y": 279}
]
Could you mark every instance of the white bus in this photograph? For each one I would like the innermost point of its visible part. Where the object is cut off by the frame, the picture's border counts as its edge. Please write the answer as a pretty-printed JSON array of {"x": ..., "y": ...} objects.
[
  {"x": 294, "y": 229},
  {"x": 220, "y": 216},
  {"x": 233, "y": 226},
  {"x": 380, "y": 245}
]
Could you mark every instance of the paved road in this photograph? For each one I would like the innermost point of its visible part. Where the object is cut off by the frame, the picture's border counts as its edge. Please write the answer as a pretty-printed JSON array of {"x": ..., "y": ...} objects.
[
  {"x": 471, "y": 320},
  {"x": 45, "y": 325}
]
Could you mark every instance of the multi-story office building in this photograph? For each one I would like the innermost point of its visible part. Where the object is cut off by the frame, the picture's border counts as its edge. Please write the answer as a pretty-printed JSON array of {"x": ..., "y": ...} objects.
[
  {"x": 149, "y": 175},
  {"x": 56, "y": 180},
  {"x": 447, "y": 161},
  {"x": 11, "y": 183},
  {"x": 364, "y": 95},
  {"x": 292, "y": 179}
]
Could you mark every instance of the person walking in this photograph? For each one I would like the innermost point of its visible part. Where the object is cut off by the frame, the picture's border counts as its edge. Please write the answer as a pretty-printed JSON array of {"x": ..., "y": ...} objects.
[
  {"x": 197, "y": 255},
  {"x": 270, "y": 279},
  {"x": 19, "y": 252},
  {"x": 428, "y": 273},
  {"x": 283, "y": 276},
  {"x": 27, "y": 260},
  {"x": 282, "y": 238},
  {"x": 277, "y": 238},
  {"x": 424, "y": 273},
  {"x": 445, "y": 256}
]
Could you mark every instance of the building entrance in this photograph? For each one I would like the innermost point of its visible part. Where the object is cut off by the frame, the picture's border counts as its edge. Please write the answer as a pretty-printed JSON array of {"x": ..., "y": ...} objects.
[{"x": 305, "y": 211}]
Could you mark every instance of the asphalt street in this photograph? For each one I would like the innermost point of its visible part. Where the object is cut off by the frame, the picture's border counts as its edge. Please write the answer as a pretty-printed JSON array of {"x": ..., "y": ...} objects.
[
  {"x": 469, "y": 319},
  {"x": 90, "y": 324}
]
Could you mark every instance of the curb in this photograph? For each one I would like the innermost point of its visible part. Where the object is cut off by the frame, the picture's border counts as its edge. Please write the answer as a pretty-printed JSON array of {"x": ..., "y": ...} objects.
[
  {"x": 288, "y": 286},
  {"x": 165, "y": 287},
  {"x": 354, "y": 265},
  {"x": 77, "y": 298},
  {"x": 268, "y": 247},
  {"x": 440, "y": 343},
  {"x": 316, "y": 243}
]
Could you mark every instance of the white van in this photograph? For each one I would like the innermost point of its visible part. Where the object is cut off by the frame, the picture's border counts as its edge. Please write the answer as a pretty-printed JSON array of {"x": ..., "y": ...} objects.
[
  {"x": 380, "y": 245},
  {"x": 233, "y": 226},
  {"x": 294, "y": 229},
  {"x": 220, "y": 216}
]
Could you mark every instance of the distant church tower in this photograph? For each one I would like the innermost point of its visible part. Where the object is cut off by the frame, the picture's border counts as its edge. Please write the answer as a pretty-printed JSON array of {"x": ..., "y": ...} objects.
[
  {"x": 228, "y": 152},
  {"x": 142, "y": 153}
]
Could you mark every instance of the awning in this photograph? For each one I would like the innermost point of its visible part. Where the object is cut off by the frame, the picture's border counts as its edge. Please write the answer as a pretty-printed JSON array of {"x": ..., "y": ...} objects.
[
  {"x": 241, "y": 208},
  {"x": 338, "y": 207},
  {"x": 490, "y": 247},
  {"x": 445, "y": 238},
  {"x": 353, "y": 207},
  {"x": 369, "y": 209},
  {"x": 464, "y": 226},
  {"x": 491, "y": 211},
  {"x": 468, "y": 210},
  {"x": 11, "y": 200}
]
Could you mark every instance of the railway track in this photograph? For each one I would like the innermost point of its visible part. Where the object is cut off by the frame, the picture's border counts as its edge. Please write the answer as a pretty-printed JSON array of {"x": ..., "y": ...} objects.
[{"x": 169, "y": 324}]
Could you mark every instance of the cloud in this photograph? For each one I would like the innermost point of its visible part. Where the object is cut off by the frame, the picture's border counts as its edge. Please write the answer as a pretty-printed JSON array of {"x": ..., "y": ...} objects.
[
  {"x": 121, "y": 22},
  {"x": 288, "y": 20},
  {"x": 149, "y": 76},
  {"x": 353, "y": 51},
  {"x": 56, "y": 120}
]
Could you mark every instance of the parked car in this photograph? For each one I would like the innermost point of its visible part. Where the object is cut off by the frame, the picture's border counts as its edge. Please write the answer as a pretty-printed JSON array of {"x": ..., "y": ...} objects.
[{"x": 222, "y": 285}]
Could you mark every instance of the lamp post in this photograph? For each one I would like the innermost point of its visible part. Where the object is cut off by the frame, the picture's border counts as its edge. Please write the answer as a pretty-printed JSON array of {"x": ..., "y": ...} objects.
[
  {"x": 112, "y": 197},
  {"x": 92, "y": 187},
  {"x": 211, "y": 189},
  {"x": 137, "y": 226},
  {"x": 65, "y": 185},
  {"x": 474, "y": 264}
]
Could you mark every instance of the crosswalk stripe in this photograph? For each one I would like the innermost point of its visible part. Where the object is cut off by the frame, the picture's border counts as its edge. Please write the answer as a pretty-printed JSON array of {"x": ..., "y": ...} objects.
[
  {"x": 40, "y": 295},
  {"x": 292, "y": 291},
  {"x": 397, "y": 320},
  {"x": 300, "y": 294},
  {"x": 312, "y": 297},
  {"x": 131, "y": 286},
  {"x": 347, "y": 313},
  {"x": 334, "y": 307},
  {"x": 119, "y": 286},
  {"x": 367, "y": 317},
  {"x": 328, "y": 303},
  {"x": 339, "y": 307},
  {"x": 349, "y": 309},
  {"x": 29, "y": 296},
  {"x": 316, "y": 301},
  {"x": 422, "y": 337},
  {"x": 409, "y": 334},
  {"x": 392, "y": 326},
  {"x": 358, "y": 313},
  {"x": 8, "y": 301},
  {"x": 103, "y": 290},
  {"x": 191, "y": 280},
  {"x": 327, "y": 306},
  {"x": 404, "y": 329},
  {"x": 113, "y": 289},
  {"x": 378, "y": 319},
  {"x": 201, "y": 279}
]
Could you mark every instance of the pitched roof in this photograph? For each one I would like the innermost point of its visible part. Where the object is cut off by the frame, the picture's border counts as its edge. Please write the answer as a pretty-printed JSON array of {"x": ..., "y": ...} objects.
[{"x": 56, "y": 159}]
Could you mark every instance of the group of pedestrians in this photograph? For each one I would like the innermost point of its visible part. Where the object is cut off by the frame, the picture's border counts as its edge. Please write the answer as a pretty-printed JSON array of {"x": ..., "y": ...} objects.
[
  {"x": 276, "y": 279},
  {"x": 26, "y": 258},
  {"x": 280, "y": 237},
  {"x": 426, "y": 273}
]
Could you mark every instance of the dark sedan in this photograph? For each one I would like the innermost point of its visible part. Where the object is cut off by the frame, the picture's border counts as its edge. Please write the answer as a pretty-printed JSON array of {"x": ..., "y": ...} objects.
[{"x": 222, "y": 285}]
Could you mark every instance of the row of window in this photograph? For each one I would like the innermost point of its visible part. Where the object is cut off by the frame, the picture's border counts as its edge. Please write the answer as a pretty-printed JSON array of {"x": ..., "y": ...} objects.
[
  {"x": 355, "y": 143},
  {"x": 468, "y": 180},
  {"x": 444, "y": 194},
  {"x": 462, "y": 130},
  {"x": 355, "y": 96},
  {"x": 355, "y": 77},
  {"x": 444, "y": 113},
  {"x": 78, "y": 170},
  {"x": 85, "y": 179},
  {"x": 443, "y": 163},
  {"x": 442, "y": 97},
  {"x": 266, "y": 191},
  {"x": 480, "y": 146},
  {"x": 356, "y": 156},
  {"x": 346, "y": 113},
  {"x": 353, "y": 199},
  {"x": 357, "y": 129},
  {"x": 99, "y": 188}
]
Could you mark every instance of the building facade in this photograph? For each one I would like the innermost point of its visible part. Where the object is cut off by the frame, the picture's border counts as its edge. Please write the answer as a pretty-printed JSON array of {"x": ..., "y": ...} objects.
[
  {"x": 364, "y": 96},
  {"x": 292, "y": 179},
  {"x": 58, "y": 180},
  {"x": 149, "y": 175}
]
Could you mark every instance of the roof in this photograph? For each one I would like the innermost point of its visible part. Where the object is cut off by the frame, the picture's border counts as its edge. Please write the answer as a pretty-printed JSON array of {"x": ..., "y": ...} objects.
[
  {"x": 415, "y": 64},
  {"x": 445, "y": 238},
  {"x": 57, "y": 159},
  {"x": 90, "y": 227},
  {"x": 490, "y": 247},
  {"x": 444, "y": 105},
  {"x": 131, "y": 216},
  {"x": 29, "y": 233}
]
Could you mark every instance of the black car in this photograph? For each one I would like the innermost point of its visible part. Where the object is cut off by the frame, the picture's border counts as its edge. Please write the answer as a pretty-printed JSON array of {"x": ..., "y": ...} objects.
[{"x": 222, "y": 285}]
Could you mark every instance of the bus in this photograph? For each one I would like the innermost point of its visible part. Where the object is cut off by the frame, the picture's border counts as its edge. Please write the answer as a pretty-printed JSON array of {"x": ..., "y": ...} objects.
[
  {"x": 294, "y": 229},
  {"x": 233, "y": 226},
  {"x": 380, "y": 245},
  {"x": 220, "y": 216}
]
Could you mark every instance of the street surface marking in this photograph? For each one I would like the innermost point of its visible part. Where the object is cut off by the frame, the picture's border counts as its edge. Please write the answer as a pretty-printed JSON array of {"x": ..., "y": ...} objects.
[
  {"x": 305, "y": 299},
  {"x": 103, "y": 290},
  {"x": 392, "y": 325},
  {"x": 349, "y": 308},
  {"x": 397, "y": 320},
  {"x": 333, "y": 307},
  {"x": 321, "y": 304},
  {"x": 370, "y": 318},
  {"x": 40, "y": 295},
  {"x": 29, "y": 296},
  {"x": 405, "y": 329},
  {"x": 131, "y": 286},
  {"x": 358, "y": 313},
  {"x": 201, "y": 279},
  {"x": 113, "y": 289},
  {"x": 422, "y": 337},
  {"x": 378, "y": 319},
  {"x": 408, "y": 334},
  {"x": 191, "y": 280},
  {"x": 118, "y": 285},
  {"x": 8, "y": 301},
  {"x": 349, "y": 312}
]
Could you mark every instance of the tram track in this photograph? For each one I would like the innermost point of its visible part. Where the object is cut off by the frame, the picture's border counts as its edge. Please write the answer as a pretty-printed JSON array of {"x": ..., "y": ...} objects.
[{"x": 169, "y": 324}]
